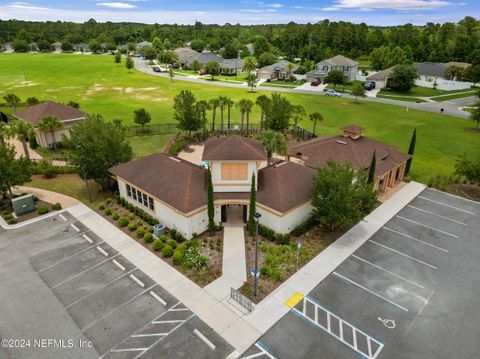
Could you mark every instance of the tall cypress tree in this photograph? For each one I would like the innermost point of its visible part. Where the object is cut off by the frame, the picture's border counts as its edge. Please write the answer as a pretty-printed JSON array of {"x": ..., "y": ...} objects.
[
  {"x": 371, "y": 171},
  {"x": 252, "y": 208},
  {"x": 211, "y": 208},
  {"x": 411, "y": 151}
]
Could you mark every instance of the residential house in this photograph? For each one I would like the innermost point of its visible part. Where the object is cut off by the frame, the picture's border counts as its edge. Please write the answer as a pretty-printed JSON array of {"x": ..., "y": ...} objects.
[
  {"x": 67, "y": 115},
  {"x": 381, "y": 77},
  {"x": 433, "y": 75},
  {"x": 142, "y": 44},
  {"x": 175, "y": 190},
  {"x": 231, "y": 66},
  {"x": 187, "y": 56},
  {"x": 57, "y": 47},
  {"x": 340, "y": 63},
  {"x": 354, "y": 148},
  {"x": 82, "y": 47},
  {"x": 278, "y": 71}
]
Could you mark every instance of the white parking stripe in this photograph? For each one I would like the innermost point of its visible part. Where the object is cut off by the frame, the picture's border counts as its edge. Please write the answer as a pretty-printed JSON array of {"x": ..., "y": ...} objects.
[
  {"x": 264, "y": 351},
  {"x": 157, "y": 297},
  {"x": 128, "y": 350},
  {"x": 62, "y": 217},
  {"x": 385, "y": 270},
  {"x": 424, "y": 225},
  {"x": 148, "y": 335},
  {"x": 403, "y": 254},
  {"x": 166, "y": 321},
  {"x": 437, "y": 215},
  {"x": 66, "y": 258},
  {"x": 74, "y": 227},
  {"x": 138, "y": 281},
  {"x": 101, "y": 250},
  {"x": 446, "y": 205},
  {"x": 415, "y": 239},
  {"x": 204, "y": 339},
  {"x": 370, "y": 291},
  {"x": 87, "y": 238},
  {"x": 118, "y": 265}
]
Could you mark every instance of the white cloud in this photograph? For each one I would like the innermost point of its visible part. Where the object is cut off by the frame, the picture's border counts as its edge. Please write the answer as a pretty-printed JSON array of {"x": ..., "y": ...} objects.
[
  {"x": 116, "y": 5},
  {"x": 275, "y": 6},
  {"x": 25, "y": 6},
  {"x": 387, "y": 4},
  {"x": 258, "y": 11}
]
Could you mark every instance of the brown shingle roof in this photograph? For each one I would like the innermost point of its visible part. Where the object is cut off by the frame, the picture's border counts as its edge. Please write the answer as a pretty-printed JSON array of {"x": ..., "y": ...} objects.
[
  {"x": 353, "y": 128},
  {"x": 178, "y": 183},
  {"x": 233, "y": 148},
  {"x": 63, "y": 112},
  {"x": 284, "y": 186},
  {"x": 341, "y": 149}
]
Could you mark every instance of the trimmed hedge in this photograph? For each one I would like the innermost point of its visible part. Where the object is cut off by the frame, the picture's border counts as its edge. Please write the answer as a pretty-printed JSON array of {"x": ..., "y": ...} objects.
[
  {"x": 172, "y": 243},
  {"x": 148, "y": 237},
  {"x": 115, "y": 216},
  {"x": 270, "y": 234},
  {"x": 108, "y": 211},
  {"x": 305, "y": 226},
  {"x": 167, "y": 251},
  {"x": 157, "y": 245},
  {"x": 179, "y": 254},
  {"x": 123, "y": 222},
  {"x": 137, "y": 211},
  {"x": 178, "y": 237},
  {"x": 12, "y": 221},
  {"x": 42, "y": 210},
  {"x": 7, "y": 216},
  {"x": 132, "y": 227},
  {"x": 140, "y": 233},
  {"x": 56, "y": 206}
]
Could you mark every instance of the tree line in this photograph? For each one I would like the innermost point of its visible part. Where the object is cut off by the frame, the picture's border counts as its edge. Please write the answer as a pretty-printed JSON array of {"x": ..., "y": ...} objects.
[{"x": 314, "y": 42}]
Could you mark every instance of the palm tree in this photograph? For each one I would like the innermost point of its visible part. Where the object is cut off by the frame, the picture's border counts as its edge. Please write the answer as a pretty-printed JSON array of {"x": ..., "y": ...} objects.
[
  {"x": 290, "y": 67},
  {"x": 214, "y": 103},
  {"x": 229, "y": 103},
  {"x": 12, "y": 100},
  {"x": 22, "y": 131},
  {"x": 223, "y": 100},
  {"x": 263, "y": 102},
  {"x": 50, "y": 124},
  {"x": 242, "y": 107},
  {"x": 248, "y": 108},
  {"x": 202, "y": 107},
  {"x": 315, "y": 116},
  {"x": 298, "y": 114},
  {"x": 274, "y": 142},
  {"x": 249, "y": 64}
]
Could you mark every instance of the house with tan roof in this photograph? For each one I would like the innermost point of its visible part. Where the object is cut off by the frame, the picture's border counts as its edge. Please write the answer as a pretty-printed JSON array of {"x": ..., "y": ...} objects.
[
  {"x": 354, "y": 148},
  {"x": 340, "y": 63},
  {"x": 280, "y": 70},
  {"x": 67, "y": 115},
  {"x": 175, "y": 191}
]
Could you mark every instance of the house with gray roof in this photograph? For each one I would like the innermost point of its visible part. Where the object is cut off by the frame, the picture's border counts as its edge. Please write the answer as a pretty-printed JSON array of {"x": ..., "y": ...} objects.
[
  {"x": 340, "y": 63},
  {"x": 142, "y": 44},
  {"x": 280, "y": 70}
]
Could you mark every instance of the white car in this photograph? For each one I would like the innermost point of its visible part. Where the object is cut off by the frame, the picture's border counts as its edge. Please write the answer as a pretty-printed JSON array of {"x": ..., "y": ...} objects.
[{"x": 333, "y": 93}]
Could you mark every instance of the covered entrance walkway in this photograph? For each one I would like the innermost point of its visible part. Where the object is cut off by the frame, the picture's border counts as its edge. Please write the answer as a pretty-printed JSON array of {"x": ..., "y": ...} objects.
[{"x": 234, "y": 215}]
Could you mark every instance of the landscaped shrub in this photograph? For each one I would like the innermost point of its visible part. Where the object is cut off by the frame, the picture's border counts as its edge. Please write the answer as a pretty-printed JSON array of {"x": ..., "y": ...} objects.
[
  {"x": 42, "y": 210},
  {"x": 7, "y": 216},
  {"x": 282, "y": 238},
  {"x": 167, "y": 251},
  {"x": 157, "y": 245},
  {"x": 178, "y": 237},
  {"x": 163, "y": 238},
  {"x": 12, "y": 221},
  {"x": 108, "y": 211},
  {"x": 193, "y": 258},
  {"x": 131, "y": 216},
  {"x": 132, "y": 227},
  {"x": 108, "y": 201},
  {"x": 56, "y": 206},
  {"x": 172, "y": 243},
  {"x": 115, "y": 216},
  {"x": 173, "y": 232},
  {"x": 101, "y": 207},
  {"x": 149, "y": 229},
  {"x": 177, "y": 146},
  {"x": 179, "y": 254},
  {"x": 148, "y": 237},
  {"x": 140, "y": 233},
  {"x": 266, "y": 232},
  {"x": 304, "y": 227},
  {"x": 123, "y": 222}
]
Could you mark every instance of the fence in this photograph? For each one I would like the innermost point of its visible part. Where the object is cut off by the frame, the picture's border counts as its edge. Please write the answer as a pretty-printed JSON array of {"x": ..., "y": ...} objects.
[
  {"x": 150, "y": 130},
  {"x": 303, "y": 133},
  {"x": 242, "y": 300}
]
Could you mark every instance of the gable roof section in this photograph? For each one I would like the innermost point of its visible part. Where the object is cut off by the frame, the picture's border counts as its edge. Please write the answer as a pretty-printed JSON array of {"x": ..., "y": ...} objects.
[
  {"x": 279, "y": 66},
  {"x": 178, "y": 183},
  {"x": 318, "y": 151},
  {"x": 233, "y": 148},
  {"x": 284, "y": 186},
  {"x": 340, "y": 60},
  {"x": 434, "y": 69},
  {"x": 381, "y": 75},
  {"x": 63, "y": 112}
]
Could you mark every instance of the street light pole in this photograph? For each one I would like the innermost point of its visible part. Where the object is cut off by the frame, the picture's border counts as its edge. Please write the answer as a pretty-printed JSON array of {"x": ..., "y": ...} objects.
[{"x": 257, "y": 219}]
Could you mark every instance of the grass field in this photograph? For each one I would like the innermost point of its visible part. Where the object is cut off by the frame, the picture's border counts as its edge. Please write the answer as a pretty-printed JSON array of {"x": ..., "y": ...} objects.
[{"x": 100, "y": 86}]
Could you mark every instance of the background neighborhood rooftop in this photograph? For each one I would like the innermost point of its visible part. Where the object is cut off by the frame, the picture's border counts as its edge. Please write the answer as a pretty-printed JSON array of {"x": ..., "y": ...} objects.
[{"x": 63, "y": 112}]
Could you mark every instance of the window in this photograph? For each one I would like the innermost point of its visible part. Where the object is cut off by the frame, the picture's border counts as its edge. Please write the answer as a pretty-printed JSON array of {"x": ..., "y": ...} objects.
[
  {"x": 234, "y": 171},
  {"x": 140, "y": 197}
]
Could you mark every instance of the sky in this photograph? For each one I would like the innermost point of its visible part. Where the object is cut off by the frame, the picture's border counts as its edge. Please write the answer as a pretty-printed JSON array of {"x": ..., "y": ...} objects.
[{"x": 372, "y": 12}]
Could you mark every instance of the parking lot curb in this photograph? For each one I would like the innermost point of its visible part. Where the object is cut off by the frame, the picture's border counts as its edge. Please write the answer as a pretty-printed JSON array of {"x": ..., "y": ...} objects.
[{"x": 4, "y": 224}]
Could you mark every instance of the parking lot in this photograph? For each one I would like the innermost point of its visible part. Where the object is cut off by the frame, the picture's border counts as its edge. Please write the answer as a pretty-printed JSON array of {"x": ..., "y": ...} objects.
[
  {"x": 61, "y": 282},
  {"x": 411, "y": 291}
]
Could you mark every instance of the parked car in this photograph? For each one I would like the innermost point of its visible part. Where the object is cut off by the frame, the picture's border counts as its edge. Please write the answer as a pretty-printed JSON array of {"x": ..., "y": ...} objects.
[
  {"x": 315, "y": 82},
  {"x": 333, "y": 93},
  {"x": 201, "y": 73},
  {"x": 156, "y": 69},
  {"x": 369, "y": 85}
]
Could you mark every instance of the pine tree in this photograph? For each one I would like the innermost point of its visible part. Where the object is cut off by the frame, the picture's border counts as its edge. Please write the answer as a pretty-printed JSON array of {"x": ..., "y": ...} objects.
[
  {"x": 411, "y": 151},
  {"x": 252, "y": 209},
  {"x": 211, "y": 208},
  {"x": 371, "y": 171}
]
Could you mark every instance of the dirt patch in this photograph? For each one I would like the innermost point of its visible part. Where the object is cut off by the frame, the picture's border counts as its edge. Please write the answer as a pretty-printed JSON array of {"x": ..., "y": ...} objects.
[
  {"x": 469, "y": 191},
  {"x": 474, "y": 129},
  {"x": 25, "y": 84}
]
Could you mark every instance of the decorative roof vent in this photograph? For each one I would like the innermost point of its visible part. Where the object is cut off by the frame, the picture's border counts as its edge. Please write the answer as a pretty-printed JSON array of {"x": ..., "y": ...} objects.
[
  {"x": 341, "y": 142},
  {"x": 352, "y": 131}
]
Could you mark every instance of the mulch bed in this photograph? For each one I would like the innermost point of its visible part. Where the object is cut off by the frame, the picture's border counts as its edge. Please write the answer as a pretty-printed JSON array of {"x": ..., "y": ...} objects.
[
  {"x": 469, "y": 191},
  {"x": 27, "y": 216}
]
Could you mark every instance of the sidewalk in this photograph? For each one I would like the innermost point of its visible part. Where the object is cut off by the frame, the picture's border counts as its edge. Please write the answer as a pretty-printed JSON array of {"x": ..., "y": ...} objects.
[
  {"x": 48, "y": 196},
  {"x": 234, "y": 267}
]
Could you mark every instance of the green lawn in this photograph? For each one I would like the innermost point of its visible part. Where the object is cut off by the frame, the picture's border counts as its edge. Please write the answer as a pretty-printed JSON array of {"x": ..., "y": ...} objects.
[
  {"x": 401, "y": 98},
  {"x": 146, "y": 145},
  {"x": 454, "y": 96},
  {"x": 418, "y": 91},
  {"x": 100, "y": 86},
  {"x": 279, "y": 84}
]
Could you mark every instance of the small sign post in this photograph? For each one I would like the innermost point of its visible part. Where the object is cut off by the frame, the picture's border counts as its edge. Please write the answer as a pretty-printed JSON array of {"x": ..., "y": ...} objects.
[{"x": 299, "y": 245}]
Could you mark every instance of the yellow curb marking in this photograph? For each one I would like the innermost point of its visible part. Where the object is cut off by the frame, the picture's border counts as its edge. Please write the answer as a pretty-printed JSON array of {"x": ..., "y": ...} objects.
[{"x": 294, "y": 299}]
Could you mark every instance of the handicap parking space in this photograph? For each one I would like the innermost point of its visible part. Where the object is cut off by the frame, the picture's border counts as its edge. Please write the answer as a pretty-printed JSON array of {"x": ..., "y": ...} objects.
[
  {"x": 112, "y": 303},
  {"x": 413, "y": 283}
]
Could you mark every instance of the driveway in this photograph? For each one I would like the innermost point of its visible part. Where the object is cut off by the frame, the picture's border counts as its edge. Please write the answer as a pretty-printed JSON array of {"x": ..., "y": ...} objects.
[{"x": 411, "y": 291}]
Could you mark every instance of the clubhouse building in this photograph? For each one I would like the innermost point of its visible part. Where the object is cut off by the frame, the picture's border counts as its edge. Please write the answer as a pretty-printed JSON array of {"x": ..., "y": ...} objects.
[{"x": 175, "y": 190}]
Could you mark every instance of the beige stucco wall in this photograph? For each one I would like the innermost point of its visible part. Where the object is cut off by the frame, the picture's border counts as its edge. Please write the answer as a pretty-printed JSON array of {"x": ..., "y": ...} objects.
[
  {"x": 288, "y": 222},
  {"x": 220, "y": 185},
  {"x": 45, "y": 139}
]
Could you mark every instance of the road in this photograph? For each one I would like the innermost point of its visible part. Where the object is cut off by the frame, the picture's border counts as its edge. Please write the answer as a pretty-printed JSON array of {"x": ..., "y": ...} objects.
[{"x": 451, "y": 108}]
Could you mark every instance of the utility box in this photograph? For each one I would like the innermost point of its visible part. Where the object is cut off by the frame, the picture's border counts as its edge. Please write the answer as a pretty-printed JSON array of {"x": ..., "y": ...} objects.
[
  {"x": 158, "y": 230},
  {"x": 23, "y": 204}
]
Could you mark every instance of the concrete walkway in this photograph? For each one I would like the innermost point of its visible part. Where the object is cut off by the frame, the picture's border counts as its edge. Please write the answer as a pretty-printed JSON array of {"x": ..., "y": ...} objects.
[
  {"x": 234, "y": 267},
  {"x": 47, "y": 196}
]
